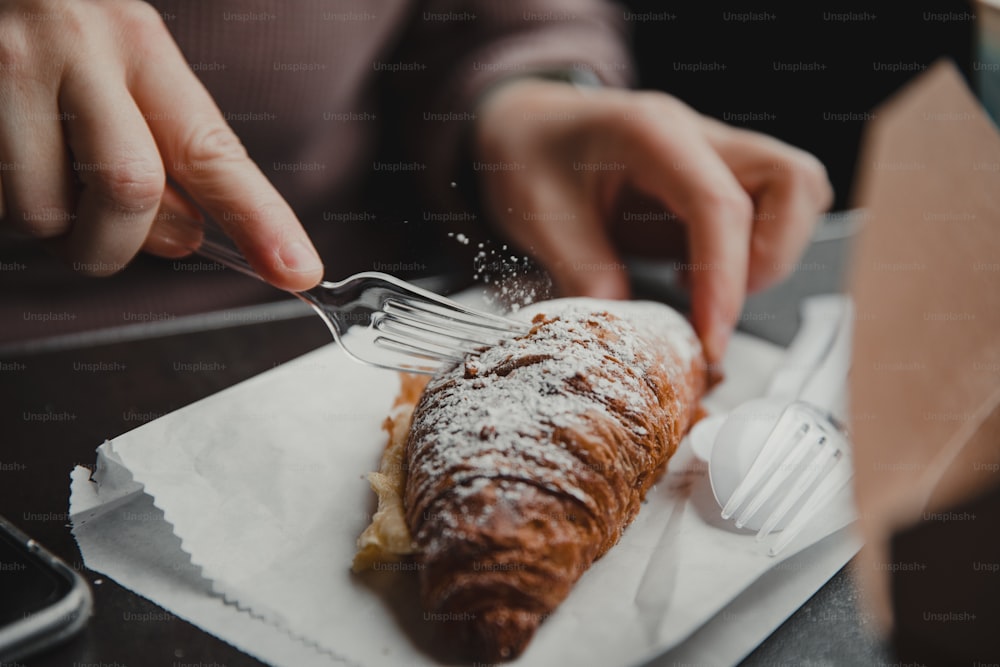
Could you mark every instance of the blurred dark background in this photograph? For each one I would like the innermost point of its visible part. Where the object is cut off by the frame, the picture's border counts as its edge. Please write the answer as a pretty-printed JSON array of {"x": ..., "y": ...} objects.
[
  {"x": 805, "y": 108},
  {"x": 850, "y": 60}
]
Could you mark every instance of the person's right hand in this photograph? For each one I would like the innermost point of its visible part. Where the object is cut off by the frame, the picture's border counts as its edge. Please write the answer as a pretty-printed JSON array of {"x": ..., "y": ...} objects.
[
  {"x": 97, "y": 108},
  {"x": 748, "y": 202}
]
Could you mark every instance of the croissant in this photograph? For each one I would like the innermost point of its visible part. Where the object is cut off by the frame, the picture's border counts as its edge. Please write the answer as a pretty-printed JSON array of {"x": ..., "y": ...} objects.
[{"x": 526, "y": 462}]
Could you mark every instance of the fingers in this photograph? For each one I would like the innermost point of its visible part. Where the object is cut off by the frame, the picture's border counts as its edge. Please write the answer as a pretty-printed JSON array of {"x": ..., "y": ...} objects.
[
  {"x": 34, "y": 165},
  {"x": 783, "y": 224},
  {"x": 672, "y": 161},
  {"x": 790, "y": 189},
  {"x": 177, "y": 229},
  {"x": 119, "y": 169},
  {"x": 204, "y": 156}
]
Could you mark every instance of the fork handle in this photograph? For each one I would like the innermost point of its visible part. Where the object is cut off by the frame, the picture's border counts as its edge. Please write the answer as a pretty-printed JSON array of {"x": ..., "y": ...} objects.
[
  {"x": 217, "y": 247},
  {"x": 830, "y": 376},
  {"x": 821, "y": 316},
  {"x": 225, "y": 255}
]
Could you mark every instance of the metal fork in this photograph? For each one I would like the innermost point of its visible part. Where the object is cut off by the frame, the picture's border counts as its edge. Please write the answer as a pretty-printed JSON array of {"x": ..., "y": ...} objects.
[{"x": 382, "y": 321}]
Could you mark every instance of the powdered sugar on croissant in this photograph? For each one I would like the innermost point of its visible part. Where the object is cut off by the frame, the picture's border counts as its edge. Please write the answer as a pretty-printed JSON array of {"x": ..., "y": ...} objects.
[{"x": 526, "y": 462}]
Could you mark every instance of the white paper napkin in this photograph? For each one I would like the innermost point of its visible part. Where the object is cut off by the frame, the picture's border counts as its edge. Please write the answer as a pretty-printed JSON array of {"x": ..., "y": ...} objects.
[{"x": 257, "y": 494}]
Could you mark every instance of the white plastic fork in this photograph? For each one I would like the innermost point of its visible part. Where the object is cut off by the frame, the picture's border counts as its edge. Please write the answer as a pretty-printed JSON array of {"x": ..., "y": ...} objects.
[
  {"x": 780, "y": 459},
  {"x": 393, "y": 324},
  {"x": 804, "y": 462}
]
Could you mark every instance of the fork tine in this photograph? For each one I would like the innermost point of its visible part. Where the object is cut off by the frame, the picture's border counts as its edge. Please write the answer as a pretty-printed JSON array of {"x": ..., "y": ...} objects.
[
  {"x": 785, "y": 435},
  {"x": 416, "y": 333},
  {"x": 821, "y": 463},
  {"x": 405, "y": 347},
  {"x": 468, "y": 338},
  {"x": 839, "y": 476},
  {"x": 780, "y": 473},
  {"x": 452, "y": 313}
]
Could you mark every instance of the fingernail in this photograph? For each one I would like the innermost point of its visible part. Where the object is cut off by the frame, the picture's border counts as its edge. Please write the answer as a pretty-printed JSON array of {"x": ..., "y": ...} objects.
[{"x": 299, "y": 257}]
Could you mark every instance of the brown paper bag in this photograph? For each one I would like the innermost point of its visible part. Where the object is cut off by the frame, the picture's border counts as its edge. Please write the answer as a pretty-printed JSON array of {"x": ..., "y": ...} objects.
[{"x": 925, "y": 378}]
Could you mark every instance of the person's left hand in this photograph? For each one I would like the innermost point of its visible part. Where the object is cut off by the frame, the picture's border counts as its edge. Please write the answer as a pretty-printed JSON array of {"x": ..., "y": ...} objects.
[{"x": 555, "y": 160}]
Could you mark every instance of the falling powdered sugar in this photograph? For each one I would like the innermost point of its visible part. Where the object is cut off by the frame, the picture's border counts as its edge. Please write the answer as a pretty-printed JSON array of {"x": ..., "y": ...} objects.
[{"x": 515, "y": 281}]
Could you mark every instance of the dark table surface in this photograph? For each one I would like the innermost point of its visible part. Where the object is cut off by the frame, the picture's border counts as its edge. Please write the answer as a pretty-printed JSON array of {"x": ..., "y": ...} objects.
[{"x": 136, "y": 380}]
